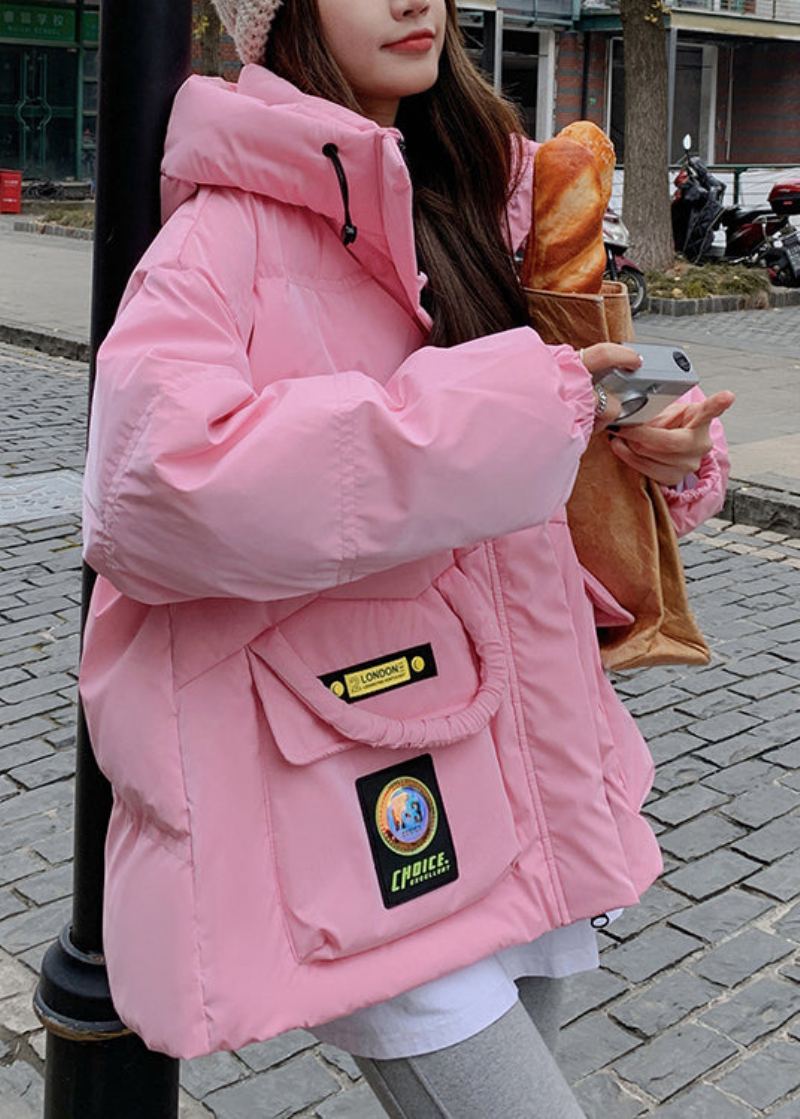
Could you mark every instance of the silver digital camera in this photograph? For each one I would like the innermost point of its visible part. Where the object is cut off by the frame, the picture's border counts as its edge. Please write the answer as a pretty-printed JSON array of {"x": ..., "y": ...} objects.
[{"x": 665, "y": 374}]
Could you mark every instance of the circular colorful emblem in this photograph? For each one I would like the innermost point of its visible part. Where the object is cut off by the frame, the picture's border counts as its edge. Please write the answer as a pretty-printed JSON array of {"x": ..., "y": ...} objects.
[{"x": 406, "y": 815}]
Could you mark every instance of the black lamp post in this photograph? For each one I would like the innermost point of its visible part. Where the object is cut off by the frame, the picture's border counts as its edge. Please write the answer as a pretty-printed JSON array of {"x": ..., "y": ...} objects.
[{"x": 96, "y": 1068}]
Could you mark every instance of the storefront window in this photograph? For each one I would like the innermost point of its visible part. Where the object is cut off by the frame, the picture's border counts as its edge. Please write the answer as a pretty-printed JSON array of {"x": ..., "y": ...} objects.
[
  {"x": 520, "y": 63},
  {"x": 688, "y": 98},
  {"x": 89, "y": 82},
  {"x": 690, "y": 106},
  {"x": 42, "y": 66},
  {"x": 90, "y": 65},
  {"x": 472, "y": 34},
  {"x": 520, "y": 73},
  {"x": 37, "y": 109}
]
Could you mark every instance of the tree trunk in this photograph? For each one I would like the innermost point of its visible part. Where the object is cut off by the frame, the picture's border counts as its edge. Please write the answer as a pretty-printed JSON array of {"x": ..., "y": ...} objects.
[
  {"x": 646, "y": 201},
  {"x": 207, "y": 33}
]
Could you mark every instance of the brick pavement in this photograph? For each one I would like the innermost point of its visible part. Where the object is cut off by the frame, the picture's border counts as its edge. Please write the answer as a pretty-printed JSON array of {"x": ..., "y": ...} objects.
[
  {"x": 774, "y": 331},
  {"x": 694, "y": 1014}
]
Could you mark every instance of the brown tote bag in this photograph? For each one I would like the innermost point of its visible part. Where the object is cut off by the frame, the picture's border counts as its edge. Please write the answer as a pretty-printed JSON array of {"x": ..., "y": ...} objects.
[{"x": 619, "y": 519}]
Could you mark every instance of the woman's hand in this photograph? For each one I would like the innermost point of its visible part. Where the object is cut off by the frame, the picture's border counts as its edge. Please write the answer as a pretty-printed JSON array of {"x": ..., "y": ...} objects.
[
  {"x": 601, "y": 359},
  {"x": 671, "y": 446}
]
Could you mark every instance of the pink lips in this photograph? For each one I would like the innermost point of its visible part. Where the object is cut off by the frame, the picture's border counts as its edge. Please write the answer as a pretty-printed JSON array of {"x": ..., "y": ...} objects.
[{"x": 419, "y": 42}]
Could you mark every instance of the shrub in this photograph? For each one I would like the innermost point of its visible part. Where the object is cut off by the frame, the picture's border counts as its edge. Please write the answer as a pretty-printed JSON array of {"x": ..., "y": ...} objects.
[{"x": 693, "y": 281}]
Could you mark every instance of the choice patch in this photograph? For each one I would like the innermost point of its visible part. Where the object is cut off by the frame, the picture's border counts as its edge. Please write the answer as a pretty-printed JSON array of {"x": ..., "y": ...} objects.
[
  {"x": 395, "y": 670},
  {"x": 409, "y": 835}
]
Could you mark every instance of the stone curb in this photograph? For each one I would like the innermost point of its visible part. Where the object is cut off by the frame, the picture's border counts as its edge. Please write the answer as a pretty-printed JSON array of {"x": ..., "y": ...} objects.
[
  {"x": 762, "y": 506},
  {"x": 715, "y": 304},
  {"x": 55, "y": 345},
  {"x": 52, "y": 229}
]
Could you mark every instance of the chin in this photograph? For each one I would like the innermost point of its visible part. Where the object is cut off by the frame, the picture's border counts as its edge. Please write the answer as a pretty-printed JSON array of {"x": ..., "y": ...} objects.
[{"x": 411, "y": 84}]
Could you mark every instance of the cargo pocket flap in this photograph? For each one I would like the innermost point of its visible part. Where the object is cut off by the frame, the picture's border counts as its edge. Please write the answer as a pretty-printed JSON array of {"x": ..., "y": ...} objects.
[{"x": 312, "y": 722}]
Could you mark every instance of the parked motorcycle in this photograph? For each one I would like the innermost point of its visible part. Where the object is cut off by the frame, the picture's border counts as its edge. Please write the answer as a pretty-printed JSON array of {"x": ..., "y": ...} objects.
[
  {"x": 697, "y": 208},
  {"x": 748, "y": 229},
  {"x": 698, "y": 213},
  {"x": 781, "y": 254},
  {"x": 620, "y": 267},
  {"x": 781, "y": 258}
]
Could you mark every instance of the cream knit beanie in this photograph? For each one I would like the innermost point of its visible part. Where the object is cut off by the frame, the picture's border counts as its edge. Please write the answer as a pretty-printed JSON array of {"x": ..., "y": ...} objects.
[{"x": 248, "y": 23}]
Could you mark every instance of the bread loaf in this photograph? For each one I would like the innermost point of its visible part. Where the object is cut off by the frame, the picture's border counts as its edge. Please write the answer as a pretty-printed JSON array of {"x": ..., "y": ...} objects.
[
  {"x": 565, "y": 248},
  {"x": 587, "y": 133}
]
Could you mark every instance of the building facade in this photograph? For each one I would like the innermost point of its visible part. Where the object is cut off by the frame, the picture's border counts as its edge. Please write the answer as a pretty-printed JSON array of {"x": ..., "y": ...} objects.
[
  {"x": 734, "y": 77},
  {"x": 734, "y": 70},
  {"x": 48, "y": 87}
]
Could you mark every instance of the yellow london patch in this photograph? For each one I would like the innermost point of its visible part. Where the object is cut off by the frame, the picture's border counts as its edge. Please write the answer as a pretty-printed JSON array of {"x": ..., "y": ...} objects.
[{"x": 395, "y": 670}]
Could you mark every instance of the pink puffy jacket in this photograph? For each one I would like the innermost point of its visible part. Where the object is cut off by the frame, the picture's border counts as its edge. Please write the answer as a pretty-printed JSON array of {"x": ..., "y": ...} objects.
[{"x": 341, "y": 666}]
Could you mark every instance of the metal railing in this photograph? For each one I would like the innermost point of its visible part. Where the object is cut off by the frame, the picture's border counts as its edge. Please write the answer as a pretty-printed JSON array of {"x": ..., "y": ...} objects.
[
  {"x": 752, "y": 182},
  {"x": 748, "y": 184},
  {"x": 783, "y": 11},
  {"x": 544, "y": 11}
]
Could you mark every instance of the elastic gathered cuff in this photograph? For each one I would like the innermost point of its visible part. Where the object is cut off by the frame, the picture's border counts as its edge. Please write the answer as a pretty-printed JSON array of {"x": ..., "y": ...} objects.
[
  {"x": 577, "y": 387},
  {"x": 694, "y": 486},
  {"x": 690, "y": 506}
]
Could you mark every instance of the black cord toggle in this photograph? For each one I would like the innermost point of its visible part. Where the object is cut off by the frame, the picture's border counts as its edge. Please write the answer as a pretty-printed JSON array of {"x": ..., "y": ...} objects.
[{"x": 349, "y": 231}]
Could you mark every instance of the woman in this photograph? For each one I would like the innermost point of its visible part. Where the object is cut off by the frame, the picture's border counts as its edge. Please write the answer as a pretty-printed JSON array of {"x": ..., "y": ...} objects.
[{"x": 341, "y": 667}]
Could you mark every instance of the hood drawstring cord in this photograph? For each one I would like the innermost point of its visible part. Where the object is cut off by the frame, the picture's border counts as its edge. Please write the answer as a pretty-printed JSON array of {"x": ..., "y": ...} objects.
[{"x": 349, "y": 231}]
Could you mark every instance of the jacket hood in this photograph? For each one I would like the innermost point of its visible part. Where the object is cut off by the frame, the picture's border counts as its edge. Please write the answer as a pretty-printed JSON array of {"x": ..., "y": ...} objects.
[{"x": 264, "y": 136}]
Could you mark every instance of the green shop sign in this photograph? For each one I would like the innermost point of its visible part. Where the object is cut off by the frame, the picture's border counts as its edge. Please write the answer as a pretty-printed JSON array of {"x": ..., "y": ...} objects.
[
  {"x": 47, "y": 25},
  {"x": 91, "y": 27}
]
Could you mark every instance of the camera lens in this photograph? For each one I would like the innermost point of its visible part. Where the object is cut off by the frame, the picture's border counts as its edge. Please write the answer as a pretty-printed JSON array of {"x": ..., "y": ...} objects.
[
  {"x": 631, "y": 405},
  {"x": 682, "y": 361}
]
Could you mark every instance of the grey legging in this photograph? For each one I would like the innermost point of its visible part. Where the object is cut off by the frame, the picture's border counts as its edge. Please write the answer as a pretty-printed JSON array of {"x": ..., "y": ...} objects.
[{"x": 506, "y": 1070}]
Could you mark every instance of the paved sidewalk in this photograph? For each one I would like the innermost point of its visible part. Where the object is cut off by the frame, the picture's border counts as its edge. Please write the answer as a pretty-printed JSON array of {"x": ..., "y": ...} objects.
[
  {"x": 694, "y": 1014},
  {"x": 45, "y": 283},
  {"x": 757, "y": 355}
]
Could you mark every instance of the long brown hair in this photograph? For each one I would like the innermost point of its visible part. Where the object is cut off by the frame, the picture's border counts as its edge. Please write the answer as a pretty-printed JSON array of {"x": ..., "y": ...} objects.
[{"x": 460, "y": 143}]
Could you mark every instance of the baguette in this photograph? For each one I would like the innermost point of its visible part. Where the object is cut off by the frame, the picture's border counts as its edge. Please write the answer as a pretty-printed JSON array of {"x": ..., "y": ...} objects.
[
  {"x": 565, "y": 250},
  {"x": 590, "y": 136}
]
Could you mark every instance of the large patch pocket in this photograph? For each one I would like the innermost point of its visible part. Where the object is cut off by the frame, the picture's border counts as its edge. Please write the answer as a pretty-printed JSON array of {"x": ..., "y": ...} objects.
[{"x": 450, "y": 835}]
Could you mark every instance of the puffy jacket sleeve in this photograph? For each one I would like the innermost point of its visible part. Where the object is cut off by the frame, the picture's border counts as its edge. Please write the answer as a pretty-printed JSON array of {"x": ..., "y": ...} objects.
[
  {"x": 520, "y": 204},
  {"x": 200, "y": 486},
  {"x": 703, "y": 494}
]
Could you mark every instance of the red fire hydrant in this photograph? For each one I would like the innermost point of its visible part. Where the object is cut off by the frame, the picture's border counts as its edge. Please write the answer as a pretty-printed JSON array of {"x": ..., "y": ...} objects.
[{"x": 10, "y": 192}]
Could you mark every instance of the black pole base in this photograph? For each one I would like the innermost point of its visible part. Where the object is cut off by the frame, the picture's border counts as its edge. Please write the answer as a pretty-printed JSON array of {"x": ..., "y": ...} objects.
[
  {"x": 100, "y": 1079},
  {"x": 95, "y": 1067}
]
